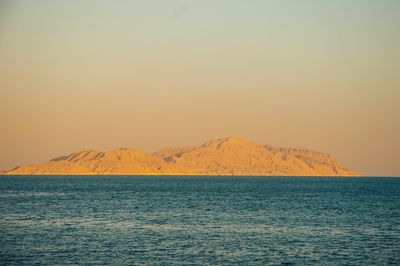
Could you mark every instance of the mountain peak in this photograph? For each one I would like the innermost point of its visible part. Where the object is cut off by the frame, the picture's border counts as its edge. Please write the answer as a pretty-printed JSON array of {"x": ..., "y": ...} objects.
[
  {"x": 229, "y": 141},
  {"x": 223, "y": 156}
]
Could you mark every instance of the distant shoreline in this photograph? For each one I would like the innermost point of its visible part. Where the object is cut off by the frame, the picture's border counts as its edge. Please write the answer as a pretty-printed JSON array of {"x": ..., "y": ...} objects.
[{"x": 226, "y": 156}]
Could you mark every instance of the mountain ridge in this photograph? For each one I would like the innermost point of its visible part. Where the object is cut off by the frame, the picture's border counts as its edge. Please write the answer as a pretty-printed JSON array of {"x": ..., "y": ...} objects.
[{"x": 224, "y": 156}]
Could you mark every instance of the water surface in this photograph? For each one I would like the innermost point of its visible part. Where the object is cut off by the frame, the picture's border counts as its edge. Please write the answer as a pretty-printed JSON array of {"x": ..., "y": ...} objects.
[{"x": 199, "y": 220}]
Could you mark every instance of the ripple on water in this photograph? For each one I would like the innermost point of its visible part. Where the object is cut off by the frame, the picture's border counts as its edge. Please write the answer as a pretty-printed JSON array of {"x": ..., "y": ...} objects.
[{"x": 172, "y": 220}]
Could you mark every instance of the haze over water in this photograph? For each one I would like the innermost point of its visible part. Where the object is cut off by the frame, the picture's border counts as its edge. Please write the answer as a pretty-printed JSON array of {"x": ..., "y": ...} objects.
[{"x": 199, "y": 220}]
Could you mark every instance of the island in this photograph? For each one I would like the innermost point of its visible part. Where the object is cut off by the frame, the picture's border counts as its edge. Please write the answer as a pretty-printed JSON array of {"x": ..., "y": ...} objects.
[{"x": 225, "y": 156}]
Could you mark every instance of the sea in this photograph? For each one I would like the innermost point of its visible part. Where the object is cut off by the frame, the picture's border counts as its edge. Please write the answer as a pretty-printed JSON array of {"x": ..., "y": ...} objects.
[{"x": 199, "y": 220}]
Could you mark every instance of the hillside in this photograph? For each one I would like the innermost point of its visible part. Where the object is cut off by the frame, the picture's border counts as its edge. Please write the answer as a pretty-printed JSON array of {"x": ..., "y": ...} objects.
[{"x": 227, "y": 156}]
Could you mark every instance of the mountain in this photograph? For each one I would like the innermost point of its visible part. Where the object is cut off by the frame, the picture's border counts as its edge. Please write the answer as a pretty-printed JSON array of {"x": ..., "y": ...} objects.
[{"x": 227, "y": 156}]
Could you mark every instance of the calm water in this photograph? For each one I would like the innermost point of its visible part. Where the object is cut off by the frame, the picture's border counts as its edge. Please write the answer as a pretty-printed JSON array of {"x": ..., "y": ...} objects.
[{"x": 199, "y": 220}]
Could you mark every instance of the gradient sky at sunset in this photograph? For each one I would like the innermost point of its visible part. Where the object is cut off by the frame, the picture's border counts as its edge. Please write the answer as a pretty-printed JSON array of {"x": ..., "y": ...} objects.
[{"x": 323, "y": 75}]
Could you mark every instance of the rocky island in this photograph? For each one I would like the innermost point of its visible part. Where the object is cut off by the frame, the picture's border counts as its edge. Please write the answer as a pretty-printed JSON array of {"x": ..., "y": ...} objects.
[{"x": 226, "y": 156}]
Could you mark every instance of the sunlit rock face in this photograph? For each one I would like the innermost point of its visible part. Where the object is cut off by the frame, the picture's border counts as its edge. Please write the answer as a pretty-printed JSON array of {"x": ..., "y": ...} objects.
[{"x": 227, "y": 156}]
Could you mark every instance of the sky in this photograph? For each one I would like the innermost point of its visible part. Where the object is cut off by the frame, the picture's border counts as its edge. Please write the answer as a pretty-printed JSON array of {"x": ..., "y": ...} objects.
[{"x": 321, "y": 75}]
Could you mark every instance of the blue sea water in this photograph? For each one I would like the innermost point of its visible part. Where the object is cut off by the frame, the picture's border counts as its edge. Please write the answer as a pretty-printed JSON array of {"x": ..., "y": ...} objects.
[{"x": 164, "y": 220}]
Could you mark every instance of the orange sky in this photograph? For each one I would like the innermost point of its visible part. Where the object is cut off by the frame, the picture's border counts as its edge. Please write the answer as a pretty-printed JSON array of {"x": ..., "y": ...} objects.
[{"x": 147, "y": 74}]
